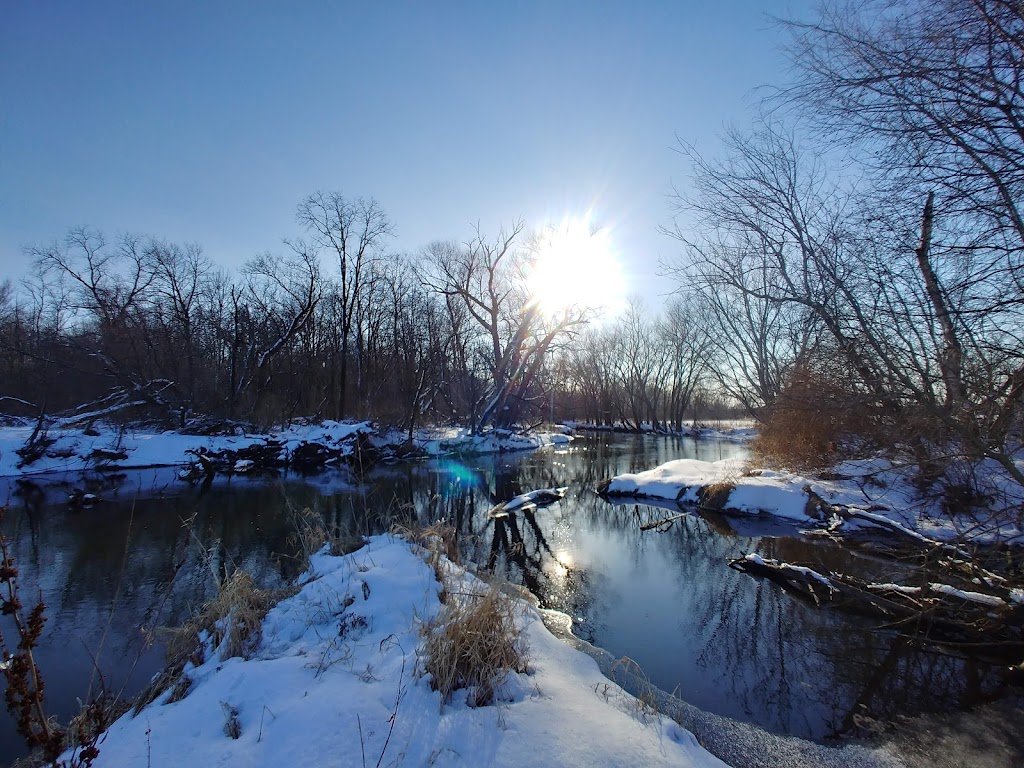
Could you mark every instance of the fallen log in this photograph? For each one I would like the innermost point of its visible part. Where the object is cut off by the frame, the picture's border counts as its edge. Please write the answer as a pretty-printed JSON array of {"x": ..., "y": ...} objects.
[
  {"x": 957, "y": 559},
  {"x": 542, "y": 497},
  {"x": 798, "y": 580},
  {"x": 942, "y": 613}
]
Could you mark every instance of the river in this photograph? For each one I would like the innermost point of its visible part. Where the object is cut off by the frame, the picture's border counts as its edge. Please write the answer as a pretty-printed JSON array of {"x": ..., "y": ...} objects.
[{"x": 661, "y": 595}]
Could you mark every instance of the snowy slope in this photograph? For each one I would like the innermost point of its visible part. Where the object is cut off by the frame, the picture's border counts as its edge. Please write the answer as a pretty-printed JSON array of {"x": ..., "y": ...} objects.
[{"x": 316, "y": 694}]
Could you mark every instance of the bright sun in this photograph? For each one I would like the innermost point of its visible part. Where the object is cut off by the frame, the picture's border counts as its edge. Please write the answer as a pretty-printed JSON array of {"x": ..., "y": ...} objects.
[{"x": 576, "y": 266}]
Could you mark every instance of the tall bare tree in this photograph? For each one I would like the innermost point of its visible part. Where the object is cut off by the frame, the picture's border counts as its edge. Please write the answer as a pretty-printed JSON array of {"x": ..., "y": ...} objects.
[
  {"x": 485, "y": 277},
  {"x": 354, "y": 233}
]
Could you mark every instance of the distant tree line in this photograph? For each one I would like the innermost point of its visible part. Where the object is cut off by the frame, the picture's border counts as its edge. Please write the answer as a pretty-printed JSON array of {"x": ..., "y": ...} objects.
[
  {"x": 337, "y": 327},
  {"x": 853, "y": 265}
]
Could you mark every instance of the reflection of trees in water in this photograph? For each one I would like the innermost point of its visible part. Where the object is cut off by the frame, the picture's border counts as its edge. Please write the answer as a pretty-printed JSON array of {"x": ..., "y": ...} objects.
[
  {"x": 881, "y": 674},
  {"x": 793, "y": 668}
]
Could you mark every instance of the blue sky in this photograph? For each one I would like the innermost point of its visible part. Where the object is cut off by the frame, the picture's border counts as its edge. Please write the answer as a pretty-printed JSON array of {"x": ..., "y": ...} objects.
[{"x": 208, "y": 121}]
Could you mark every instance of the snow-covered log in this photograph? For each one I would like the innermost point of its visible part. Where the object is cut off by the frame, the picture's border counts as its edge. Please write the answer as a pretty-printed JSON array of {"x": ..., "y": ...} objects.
[
  {"x": 541, "y": 497},
  {"x": 799, "y": 580},
  {"x": 943, "y": 613}
]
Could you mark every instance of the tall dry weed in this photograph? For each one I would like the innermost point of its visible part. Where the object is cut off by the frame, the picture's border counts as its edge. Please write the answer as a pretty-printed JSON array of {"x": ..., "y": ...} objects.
[
  {"x": 233, "y": 619},
  {"x": 310, "y": 533},
  {"x": 438, "y": 543},
  {"x": 473, "y": 644},
  {"x": 233, "y": 623}
]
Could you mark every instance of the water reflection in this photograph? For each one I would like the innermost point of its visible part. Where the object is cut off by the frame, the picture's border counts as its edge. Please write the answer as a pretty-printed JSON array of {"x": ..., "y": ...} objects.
[{"x": 634, "y": 581}]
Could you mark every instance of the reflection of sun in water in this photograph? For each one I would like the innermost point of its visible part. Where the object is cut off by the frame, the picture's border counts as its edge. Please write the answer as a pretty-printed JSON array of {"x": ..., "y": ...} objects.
[
  {"x": 576, "y": 266},
  {"x": 565, "y": 558}
]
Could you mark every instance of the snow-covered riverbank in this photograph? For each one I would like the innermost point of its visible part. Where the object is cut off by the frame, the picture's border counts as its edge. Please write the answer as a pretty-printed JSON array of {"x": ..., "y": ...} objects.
[
  {"x": 337, "y": 679},
  {"x": 874, "y": 487},
  {"x": 63, "y": 449}
]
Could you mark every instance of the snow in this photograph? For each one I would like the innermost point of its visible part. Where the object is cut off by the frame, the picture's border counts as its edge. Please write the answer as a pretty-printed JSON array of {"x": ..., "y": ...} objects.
[
  {"x": 315, "y": 694},
  {"x": 72, "y": 448},
  {"x": 765, "y": 493},
  {"x": 945, "y": 589},
  {"x": 810, "y": 573},
  {"x": 974, "y": 597},
  {"x": 540, "y": 496},
  {"x": 877, "y": 490},
  {"x": 459, "y": 440},
  {"x": 74, "y": 451}
]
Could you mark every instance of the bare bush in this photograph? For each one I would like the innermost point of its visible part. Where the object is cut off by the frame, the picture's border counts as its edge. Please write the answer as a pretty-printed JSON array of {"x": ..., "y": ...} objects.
[
  {"x": 473, "y": 644},
  {"x": 812, "y": 423}
]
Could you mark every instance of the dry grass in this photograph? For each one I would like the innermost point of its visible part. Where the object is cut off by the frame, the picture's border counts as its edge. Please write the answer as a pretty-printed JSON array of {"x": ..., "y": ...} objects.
[
  {"x": 233, "y": 619},
  {"x": 473, "y": 644},
  {"x": 715, "y": 496},
  {"x": 643, "y": 698},
  {"x": 310, "y": 534},
  {"x": 475, "y": 641},
  {"x": 233, "y": 622}
]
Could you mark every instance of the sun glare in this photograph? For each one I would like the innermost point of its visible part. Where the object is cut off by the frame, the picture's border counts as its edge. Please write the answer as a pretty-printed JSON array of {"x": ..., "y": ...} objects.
[{"x": 576, "y": 266}]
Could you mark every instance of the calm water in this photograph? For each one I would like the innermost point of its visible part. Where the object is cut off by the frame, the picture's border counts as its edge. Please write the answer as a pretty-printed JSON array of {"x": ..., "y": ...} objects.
[{"x": 664, "y": 597}]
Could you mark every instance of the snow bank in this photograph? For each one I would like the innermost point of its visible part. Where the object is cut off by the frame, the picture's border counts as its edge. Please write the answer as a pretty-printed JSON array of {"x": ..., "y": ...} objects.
[
  {"x": 457, "y": 440},
  {"x": 334, "y": 682},
  {"x": 682, "y": 480},
  {"x": 73, "y": 451},
  {"x": 878, "y": 490}
]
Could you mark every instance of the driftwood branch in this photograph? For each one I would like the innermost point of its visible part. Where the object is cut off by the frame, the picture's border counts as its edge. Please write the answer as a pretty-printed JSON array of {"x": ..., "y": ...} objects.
[{"x": 991, "y": 623}]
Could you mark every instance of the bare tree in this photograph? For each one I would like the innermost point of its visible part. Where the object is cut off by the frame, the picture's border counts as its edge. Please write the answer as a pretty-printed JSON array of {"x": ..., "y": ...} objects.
[
  {"x": 485, "y": 278},
  {"x": 931, "y": 89},
  {"x": 108, "y": 289},
  {"x": 353, "y": 231},
  {"x": 857, "y": 290},
  {"x": 180, "y": 285},
  {"x": 929, "y": 96},
  {"x": 277, "y": 302},
  {"x": 593, "y": 359},
  {"x": 685, "y": 332}
]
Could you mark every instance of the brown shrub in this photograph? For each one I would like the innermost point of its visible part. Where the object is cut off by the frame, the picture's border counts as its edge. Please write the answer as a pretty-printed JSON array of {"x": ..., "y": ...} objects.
[
  {"x": 715, "y": 496},
  {"x": 473, "y": 644},
  {"x": 234, "y": 621},
  {"x": 807, "y": 425},
  {"x": 310, "y": 534}
]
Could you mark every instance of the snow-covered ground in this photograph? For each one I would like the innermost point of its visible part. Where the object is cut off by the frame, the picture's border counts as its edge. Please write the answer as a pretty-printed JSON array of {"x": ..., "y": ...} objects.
[
  {"x": 111, "y": 447},
  {"x": 440, "y": 442},
  {"x": 775, "y": 493},
  {"x": 337, "y": 679},
  {"x": 872, "y": 487}
]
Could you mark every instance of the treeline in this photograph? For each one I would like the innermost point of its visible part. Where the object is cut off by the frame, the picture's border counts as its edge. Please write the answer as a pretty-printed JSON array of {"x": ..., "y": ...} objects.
[
  {"x": 645, "y": 371},
  {"x": 338, "y": 327},
  {"x": 851, "y": 274}
]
